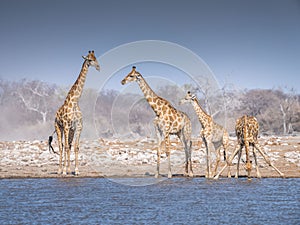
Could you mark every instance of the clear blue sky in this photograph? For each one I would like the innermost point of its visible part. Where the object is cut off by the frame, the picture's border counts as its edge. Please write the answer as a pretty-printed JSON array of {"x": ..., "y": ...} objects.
[{"x": 252, "y": 44}]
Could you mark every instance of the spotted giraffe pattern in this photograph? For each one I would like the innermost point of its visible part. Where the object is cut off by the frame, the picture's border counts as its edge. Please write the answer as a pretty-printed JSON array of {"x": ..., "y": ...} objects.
[
  {"x": 247, "y": 129},
  {"x": 168, "y": 121},
  {"x": 68, "y": 119},
  {"x": 213, "y": 135}
]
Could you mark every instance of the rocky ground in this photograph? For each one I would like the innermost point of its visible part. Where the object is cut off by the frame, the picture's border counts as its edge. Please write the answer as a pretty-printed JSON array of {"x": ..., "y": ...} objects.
[{"x": 135, "y": 158}]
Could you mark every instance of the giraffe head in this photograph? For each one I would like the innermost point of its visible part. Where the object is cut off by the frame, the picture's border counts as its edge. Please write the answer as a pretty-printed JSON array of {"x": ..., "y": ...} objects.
[
  {"x": 92, "y": 60},
  {"x": 132, "y": 76},
  {"x": 189, "y": 97}
]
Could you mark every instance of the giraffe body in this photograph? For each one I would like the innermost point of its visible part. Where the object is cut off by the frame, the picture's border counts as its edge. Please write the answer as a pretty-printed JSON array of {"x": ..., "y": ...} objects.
[
  {"x": 68, "y": 119},
  {"x": 213, "y": 135},
  {"x": 168, "y": 121},
  {"x": 246, "y": 130}
]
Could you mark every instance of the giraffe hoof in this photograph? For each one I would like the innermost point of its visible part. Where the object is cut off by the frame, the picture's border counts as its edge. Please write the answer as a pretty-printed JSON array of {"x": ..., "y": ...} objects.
[{"x": 76, "y": 172}]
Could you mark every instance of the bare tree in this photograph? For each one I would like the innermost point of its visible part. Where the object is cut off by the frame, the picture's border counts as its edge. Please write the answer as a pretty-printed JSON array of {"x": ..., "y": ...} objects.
[
  {"x": 289, "y": 106},
  {"x": 27, "y": 106},
  {"x": 36, "y": 96}
]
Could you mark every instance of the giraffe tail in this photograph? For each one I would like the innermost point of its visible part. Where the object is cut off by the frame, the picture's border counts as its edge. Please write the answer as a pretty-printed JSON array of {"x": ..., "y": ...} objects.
[{"x": 49, "y": 143}]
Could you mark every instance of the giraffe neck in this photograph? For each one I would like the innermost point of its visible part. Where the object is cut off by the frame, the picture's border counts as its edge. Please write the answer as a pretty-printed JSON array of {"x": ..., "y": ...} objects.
[
  {"x": 148, "y": 93},
  {"x": 202, "y": 115},
  {"x": 76, "y": 90}
]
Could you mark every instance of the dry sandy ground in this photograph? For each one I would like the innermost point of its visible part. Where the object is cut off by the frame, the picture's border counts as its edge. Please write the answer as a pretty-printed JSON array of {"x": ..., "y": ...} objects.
[{"x": 135, "y": 158}]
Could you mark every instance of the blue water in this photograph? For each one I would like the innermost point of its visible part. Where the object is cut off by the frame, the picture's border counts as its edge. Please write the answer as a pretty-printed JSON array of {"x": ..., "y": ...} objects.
[{"x": 172, "y": 201}]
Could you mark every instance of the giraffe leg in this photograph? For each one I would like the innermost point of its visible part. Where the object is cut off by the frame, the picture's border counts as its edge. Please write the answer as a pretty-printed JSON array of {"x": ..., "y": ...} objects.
[
  {"x": 160, "y": 142},
  {"x": 168, "y": 152},
  {"x": 186, "y": 171},
  {"x": 186, "y": 133},
  {"x": 71, "y": 136},
  {"x": 217, "y": 161},
  {"x": 182, "y": 139},
  {"x": 191, "y": 174},
  {"x": 76, "y": 148},
  {"x": 60, "y": 145},
  {"x": 225, "y": 144},
  {"x": 67, "y": 149},
  {"x": 238, "y": 162},
  {"x": 207, "y": 158},
  {"x": 268, "y": 160},
  {"x": 227, "y": 164},
  {"x": 187, "y": 159},
  {"x": 187, "y": 143},
  {"x": 209, "y": 147},
  {"x": 256, "y": 164},
  {"x": 248, "y": 162},
  {"x": 158, "y": 161}
]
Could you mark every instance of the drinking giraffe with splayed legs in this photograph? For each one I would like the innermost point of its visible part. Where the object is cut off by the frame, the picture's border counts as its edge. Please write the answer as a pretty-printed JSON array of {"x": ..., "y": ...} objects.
[{"x": 246, "y": 130}]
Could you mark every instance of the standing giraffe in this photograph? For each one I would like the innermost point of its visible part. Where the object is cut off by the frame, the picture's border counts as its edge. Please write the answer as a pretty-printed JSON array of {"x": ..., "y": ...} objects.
[
  {"x": 246, "y": 130},
  {"x": 213, "y": 135},
  {"x": 68, "y": 119},
  {"x": 168, "y": 121}
]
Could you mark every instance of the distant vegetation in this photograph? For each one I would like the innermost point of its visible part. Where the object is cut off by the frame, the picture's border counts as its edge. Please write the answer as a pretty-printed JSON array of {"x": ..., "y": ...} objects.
[{"x": 28, "y": 110}]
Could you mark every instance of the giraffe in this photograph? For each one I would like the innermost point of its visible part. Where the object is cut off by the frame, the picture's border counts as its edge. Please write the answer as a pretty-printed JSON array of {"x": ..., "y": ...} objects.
[
  {"x": 246, "y": 130},
  {"x": 68, "y": 119},
  {"x": 213, "y": 135},
  {"x": 168, "y": 121}
]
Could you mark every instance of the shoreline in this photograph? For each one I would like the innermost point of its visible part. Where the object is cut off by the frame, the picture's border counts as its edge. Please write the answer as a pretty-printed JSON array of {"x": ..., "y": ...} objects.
[
  {"x": 17, "y": 177},
  {"x": 137, "y": 159}
]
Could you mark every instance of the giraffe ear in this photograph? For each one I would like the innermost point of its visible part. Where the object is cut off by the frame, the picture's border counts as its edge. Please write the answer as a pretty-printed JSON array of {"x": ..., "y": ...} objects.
[
  {"x": 193, "y": 97},
  {"x": 84, "y": 57}
]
